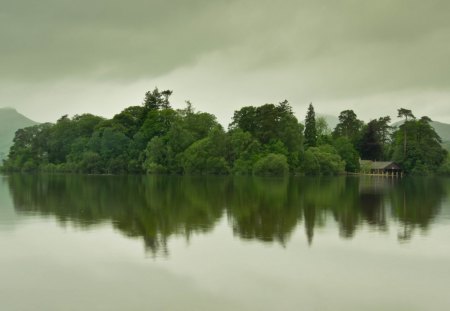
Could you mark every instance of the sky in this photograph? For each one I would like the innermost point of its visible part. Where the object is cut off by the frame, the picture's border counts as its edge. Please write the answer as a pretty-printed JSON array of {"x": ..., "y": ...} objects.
[{"x": 62, "y": 57}]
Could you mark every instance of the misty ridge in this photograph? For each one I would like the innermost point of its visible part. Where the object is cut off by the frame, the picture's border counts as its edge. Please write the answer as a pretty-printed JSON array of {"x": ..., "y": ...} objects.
[{"x": 155, "y": 138}]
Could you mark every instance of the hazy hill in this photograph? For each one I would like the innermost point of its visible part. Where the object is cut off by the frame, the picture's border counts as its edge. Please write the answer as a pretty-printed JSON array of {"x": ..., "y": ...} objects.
[
  {"x": 10, "y": 122},
  {"x": 443, "y": 129},
  {"x": 446, "y": 145}
]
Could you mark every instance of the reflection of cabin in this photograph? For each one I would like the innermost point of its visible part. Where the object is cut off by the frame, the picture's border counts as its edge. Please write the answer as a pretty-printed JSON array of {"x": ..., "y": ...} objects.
[{"x": 381, "y": 168}]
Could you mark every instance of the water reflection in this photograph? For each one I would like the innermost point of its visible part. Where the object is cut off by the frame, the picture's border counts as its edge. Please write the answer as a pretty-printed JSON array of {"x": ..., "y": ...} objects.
[
  {"x": 155, "y": 208},
  {"x": 415, "y": 204}
]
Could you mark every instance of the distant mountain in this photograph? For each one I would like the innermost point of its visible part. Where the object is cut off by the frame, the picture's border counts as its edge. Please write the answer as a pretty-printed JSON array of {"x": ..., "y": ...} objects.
[
  {"x": 446, "y": 145},
  {"x": 443, "y": 130},
  {"x": 10, "y": 122}
]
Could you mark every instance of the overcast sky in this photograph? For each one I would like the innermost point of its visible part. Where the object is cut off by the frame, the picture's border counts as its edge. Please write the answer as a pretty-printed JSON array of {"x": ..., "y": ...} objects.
[{"x": 99, "y": 56}]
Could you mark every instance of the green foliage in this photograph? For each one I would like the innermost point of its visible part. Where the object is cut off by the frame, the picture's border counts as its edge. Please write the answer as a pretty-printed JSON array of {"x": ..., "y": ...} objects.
[
  {"x": 91, "y": 163},
  {"x": 445, "y": 167},
  {"x": 348, "y": 126},
  {"x": 155, "y": 168},
  {"x": 310, "y": 128},
  {"x": 275, "y": 146},
  {"x": 271, "y": 165},
  {"x": 157, "y": 123},
  {"x": 265, "y": 140},
  {"x": 375, "y": 139},
  {"x": 29, "y": 148},
  {"x": 347, "y": 153},
  {"x": 417, "y": 147},
  {"x": 130, "y": 120},
  {"x": 65, "y": 132},
  {"x": 323, "y": 131},
  {"x": 243, "y": 151},
  {"x": 406, "y": 113},
  {"x": 270, "y": 124},
  {"x": 322, "y": 160},
  {"x": 366, "y": 167},
  {"x": 206, "y": 156},
  {"x": 156, "y": 151},
  {"x": 157, "y": 100}
]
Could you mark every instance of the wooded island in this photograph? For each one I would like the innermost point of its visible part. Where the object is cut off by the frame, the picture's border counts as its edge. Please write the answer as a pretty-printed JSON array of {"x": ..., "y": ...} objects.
[{"x": 265, "y": 140}]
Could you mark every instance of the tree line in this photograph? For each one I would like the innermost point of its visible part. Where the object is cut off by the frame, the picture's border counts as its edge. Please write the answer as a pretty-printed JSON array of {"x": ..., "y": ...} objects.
[{"x": 266, "y": 140}]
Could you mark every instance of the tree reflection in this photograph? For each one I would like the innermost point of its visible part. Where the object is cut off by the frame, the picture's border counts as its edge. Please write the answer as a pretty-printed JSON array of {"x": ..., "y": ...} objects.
[
  {"x": 154, "y": 208},
  {"x": 416, "y": 202},
  {"x": 262, "y": 208}
]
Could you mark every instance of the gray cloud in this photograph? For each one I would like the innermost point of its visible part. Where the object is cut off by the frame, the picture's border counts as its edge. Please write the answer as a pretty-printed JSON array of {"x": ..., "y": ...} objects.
[
  {"x": 331, "y": 52},
  {"x": 108, "y": 39}
]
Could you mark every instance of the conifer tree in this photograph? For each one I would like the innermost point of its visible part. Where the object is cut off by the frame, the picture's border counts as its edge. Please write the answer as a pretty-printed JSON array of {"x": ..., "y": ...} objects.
[{"x": 310, "y": 128}]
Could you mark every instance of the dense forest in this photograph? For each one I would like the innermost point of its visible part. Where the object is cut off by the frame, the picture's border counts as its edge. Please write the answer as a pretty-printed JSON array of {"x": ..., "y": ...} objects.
[{"x": 265, "y": 140}]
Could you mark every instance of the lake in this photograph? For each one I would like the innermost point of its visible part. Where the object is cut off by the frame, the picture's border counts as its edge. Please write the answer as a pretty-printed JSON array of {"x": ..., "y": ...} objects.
[{"x": 71, "y": 242}]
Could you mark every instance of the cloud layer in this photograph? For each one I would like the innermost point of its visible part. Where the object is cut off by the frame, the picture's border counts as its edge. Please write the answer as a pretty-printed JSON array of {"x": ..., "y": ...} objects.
[{"x": 60, "y": 54}]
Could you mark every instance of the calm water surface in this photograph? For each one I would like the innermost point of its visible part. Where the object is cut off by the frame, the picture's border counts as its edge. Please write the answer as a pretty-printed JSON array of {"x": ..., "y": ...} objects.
[{"x": 182, "y": 243}]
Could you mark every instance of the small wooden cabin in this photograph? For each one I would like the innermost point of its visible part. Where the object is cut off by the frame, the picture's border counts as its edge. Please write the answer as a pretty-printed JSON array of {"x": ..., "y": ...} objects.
[{"x": 388, "y": 168}]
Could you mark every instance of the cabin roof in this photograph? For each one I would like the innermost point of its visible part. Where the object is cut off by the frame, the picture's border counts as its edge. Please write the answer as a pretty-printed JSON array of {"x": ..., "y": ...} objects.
[
  {"x": 375, "y": 165},
  {"x": 382, "y": 165}
]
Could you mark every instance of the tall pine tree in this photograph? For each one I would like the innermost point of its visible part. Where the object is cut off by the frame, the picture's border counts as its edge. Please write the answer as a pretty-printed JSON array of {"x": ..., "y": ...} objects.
[{"x": 310, "y": 128}]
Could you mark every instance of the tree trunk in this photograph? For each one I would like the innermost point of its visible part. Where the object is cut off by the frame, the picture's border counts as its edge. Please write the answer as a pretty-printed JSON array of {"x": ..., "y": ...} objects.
[{"x": 404, "y": 138}]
